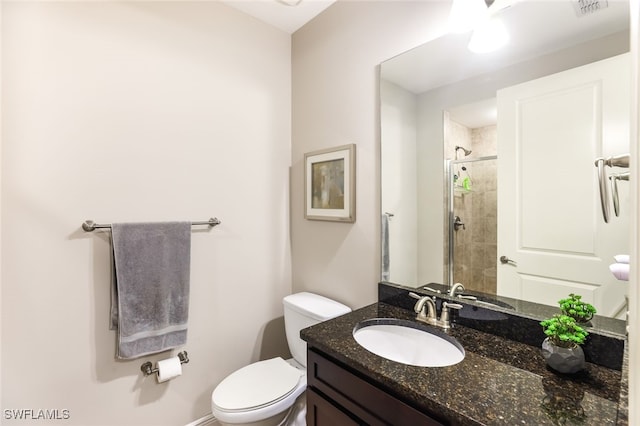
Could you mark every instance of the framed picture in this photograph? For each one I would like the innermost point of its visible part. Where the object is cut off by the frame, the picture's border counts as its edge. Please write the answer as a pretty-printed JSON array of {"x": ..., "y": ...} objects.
[{"x": 330, "y": 184}]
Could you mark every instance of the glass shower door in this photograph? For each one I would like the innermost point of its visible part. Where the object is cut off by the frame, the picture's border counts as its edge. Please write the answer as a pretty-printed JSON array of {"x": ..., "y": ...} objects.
[{"x": 472, "y": 223}]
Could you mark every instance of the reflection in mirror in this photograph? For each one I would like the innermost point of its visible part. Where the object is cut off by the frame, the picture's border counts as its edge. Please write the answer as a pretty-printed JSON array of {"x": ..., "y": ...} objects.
[{"x": 489, "y": 157}]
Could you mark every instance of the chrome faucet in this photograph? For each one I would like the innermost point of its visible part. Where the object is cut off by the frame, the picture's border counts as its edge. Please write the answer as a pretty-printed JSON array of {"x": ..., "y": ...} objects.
[
  {"x": 454, "y": 290},
  {"x": 425, "y": 307},
  {"x": 457, "y": 290}
]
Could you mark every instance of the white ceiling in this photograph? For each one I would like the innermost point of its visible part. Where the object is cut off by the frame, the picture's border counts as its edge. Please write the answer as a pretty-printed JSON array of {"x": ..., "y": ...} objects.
[
  {"x": 528, "y": 40},
  {"x": 418, "y": 72},
  {"x": 287, "y": 15}
]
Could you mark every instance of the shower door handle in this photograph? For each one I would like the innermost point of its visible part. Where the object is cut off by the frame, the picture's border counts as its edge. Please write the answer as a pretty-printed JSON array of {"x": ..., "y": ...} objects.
[{"x": 505, "y": 260}]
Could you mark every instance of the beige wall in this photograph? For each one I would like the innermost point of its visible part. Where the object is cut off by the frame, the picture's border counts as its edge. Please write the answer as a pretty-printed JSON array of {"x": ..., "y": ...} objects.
[
  {"x": 139, "y": 111},
  {"x": 398, "y": 181},
  {"x": 155, "y": 111},
  {"x": 335, "y": 101}
]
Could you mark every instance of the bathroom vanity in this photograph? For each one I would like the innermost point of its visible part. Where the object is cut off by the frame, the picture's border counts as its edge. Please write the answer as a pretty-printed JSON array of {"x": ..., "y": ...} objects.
[
  {"x": 499, "y": 382},
  {"x": 338, "y": 396}
]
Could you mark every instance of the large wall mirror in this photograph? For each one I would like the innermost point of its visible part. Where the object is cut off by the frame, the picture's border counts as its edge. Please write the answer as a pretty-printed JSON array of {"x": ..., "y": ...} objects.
[{"x": 489, "y": 173}]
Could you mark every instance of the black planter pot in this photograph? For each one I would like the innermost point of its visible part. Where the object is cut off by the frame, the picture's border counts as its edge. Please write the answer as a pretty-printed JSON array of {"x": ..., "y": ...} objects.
[{"x": 563, "y": 360}]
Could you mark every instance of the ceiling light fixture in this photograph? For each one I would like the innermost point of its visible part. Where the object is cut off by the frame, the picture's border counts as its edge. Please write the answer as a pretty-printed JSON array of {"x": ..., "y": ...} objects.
[
  {"x": 464, "y": 15},
  {"x": 488, "y": 36},
  {"x": 480, "y": 16}
]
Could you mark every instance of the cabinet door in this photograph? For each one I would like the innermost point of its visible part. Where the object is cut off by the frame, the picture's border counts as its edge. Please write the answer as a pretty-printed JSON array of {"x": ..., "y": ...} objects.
[
  {"x": 321, "y": 412},
  {"x": 358, "y": 397}
]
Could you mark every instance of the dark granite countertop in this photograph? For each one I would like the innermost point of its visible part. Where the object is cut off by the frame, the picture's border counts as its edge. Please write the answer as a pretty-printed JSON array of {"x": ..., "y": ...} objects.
[{"x": 499, "y": 382}]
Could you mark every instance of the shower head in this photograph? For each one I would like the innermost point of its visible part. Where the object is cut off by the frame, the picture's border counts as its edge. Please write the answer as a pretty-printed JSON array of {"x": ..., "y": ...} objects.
[{"x": 467, "y": 152}]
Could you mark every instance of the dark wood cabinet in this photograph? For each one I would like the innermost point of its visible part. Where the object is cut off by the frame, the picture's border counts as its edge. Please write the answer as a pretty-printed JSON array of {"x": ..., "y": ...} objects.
[
  {"x": 322, "y": 412},
  {"x": 338, "y": 397}
]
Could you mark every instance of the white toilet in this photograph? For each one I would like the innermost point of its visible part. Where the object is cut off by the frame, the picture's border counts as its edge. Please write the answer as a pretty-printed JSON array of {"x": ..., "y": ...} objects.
[{"x": 264, "y": 393}]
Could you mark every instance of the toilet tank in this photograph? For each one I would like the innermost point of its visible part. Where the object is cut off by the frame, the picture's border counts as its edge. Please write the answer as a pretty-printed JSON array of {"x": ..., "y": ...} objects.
[{"x": 302, "y": 310}]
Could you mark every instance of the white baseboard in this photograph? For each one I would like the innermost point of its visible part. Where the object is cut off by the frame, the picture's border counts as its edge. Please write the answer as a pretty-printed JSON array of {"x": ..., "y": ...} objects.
[{"x": 207, "y": 420}]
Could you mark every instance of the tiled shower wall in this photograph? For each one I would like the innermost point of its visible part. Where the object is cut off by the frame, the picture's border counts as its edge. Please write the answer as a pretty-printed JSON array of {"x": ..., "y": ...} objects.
[{"x": 475, "y": 246}]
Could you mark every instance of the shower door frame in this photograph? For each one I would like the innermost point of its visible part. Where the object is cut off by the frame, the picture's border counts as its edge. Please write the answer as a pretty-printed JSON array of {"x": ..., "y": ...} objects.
[{"x": 450, "y": 214}]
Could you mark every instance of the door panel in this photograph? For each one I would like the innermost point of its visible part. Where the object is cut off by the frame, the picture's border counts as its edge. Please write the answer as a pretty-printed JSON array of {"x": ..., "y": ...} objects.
[{"x": 550, "y": 131}]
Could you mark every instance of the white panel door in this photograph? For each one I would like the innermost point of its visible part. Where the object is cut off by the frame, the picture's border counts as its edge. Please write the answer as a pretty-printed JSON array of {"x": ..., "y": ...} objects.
[{"x": 550, "y": 225}]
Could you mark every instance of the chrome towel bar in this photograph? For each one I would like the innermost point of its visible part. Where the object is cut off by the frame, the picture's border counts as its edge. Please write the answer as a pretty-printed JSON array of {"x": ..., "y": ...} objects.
[
  {"x": 600, "y": 163},
  {"x": 614, "y": 178},
  {"x": 90, "y": 225}
]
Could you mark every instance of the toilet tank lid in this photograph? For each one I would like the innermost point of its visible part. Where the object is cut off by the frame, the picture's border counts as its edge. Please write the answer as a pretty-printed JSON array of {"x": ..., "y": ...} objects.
[{"x": 315, "y": 306}]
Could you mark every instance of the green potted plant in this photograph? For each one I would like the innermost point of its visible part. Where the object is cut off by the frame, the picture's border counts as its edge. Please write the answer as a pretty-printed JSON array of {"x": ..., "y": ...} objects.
[
  {"x": 561, "y": 349},
  {"x": 574, "y": 307}
]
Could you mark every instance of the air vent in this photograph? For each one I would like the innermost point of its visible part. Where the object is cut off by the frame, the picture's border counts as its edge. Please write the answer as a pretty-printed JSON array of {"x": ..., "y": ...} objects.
[{"x": 586, "y": 7}]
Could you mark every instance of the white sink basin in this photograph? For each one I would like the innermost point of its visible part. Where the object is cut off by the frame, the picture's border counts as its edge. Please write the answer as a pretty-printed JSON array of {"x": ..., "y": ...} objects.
[{"x": 406, "y": 342}]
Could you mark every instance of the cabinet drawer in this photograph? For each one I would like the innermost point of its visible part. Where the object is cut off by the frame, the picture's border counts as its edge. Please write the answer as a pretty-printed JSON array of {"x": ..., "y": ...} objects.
[{"x": 364, "y": 400}]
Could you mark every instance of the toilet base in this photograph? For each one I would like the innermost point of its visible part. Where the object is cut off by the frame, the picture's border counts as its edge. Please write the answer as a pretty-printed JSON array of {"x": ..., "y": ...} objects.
[
  {"x": 293, "y": 416},
  {"x": 298, "y": 412},
  {"x": 276, "y": 420}
]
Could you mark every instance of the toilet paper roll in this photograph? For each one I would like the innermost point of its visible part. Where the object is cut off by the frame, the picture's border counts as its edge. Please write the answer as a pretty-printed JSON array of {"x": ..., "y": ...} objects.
[{"x": 168, "y": 369}]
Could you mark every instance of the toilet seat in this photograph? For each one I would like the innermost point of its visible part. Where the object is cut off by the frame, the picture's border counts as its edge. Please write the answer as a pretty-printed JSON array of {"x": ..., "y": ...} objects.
[{"x": 258, "y": 391}]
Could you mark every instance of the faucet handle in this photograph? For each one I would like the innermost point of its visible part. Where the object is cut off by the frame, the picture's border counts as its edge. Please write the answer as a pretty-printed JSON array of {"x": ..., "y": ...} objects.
[
  {"x": 420, "y": 303},
  {"x": 467, "y": 297},
  {"x": 445, "y": 320},
  {"x": 451, "y": 305},
  {"x": 414, "y": 295}
]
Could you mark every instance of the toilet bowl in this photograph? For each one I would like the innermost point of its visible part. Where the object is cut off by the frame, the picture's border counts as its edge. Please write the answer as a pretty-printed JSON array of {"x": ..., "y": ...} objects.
[
  {"x": 260, "y": 393},
  {"x": 263, "y": 393}
]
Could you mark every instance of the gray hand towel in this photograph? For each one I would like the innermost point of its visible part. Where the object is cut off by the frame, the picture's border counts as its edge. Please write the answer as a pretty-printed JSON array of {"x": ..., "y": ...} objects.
[{"x": 150, "y": 296}]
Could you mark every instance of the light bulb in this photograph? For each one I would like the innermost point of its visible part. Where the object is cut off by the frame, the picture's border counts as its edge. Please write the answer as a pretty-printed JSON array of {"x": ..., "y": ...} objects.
[
  {"x": 464, "y": 15},
  {"x": 488, "y": 36}
]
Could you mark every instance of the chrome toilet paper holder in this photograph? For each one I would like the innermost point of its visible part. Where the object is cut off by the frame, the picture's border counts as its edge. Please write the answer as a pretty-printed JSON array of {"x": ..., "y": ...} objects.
[{"x": 147, "y": 367}]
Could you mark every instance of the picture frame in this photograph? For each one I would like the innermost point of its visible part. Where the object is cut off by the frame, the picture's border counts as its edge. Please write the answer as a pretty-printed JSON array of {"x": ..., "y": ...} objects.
[{"x": 330, "y": 184}]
